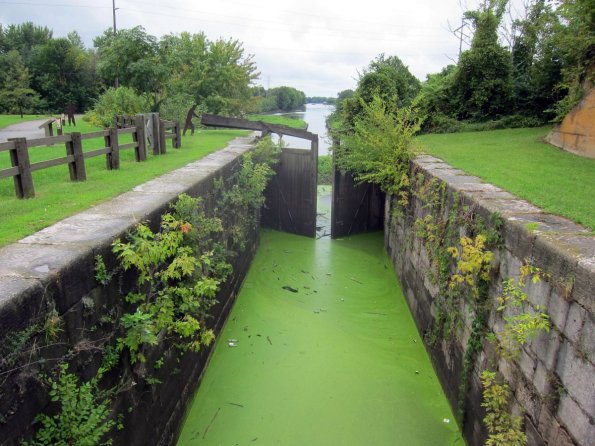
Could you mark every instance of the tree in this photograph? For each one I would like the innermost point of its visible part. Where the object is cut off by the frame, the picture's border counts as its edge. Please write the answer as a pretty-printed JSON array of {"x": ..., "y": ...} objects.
[
  {"x": 61, "y": 74},
  {"x": 15, "y": 94},
  {"x": 24, "y": 38},
  {"x": 217, "y": 75},
  {"x": 482, "y": 84},
  {"x": 406, "y": 84},
  {"x": 131, "y": 56},
  {"x": 387, "y": 79},
  {"x": 576, "y": 40},
  {"x": 536, "y": 61}
]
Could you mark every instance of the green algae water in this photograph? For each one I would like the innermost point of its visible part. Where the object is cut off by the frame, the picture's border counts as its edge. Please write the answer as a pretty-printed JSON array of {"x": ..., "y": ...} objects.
[{"x": 320, "y": 349}]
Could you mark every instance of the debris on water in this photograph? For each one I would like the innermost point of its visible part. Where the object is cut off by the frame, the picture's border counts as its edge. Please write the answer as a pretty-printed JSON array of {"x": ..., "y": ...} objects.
[
  {"x": 305, "y": 272},
  {"x": 235, "y": 404},
  {"x": 374, "y": 313},
  {"x": 289, "y": 288},
  {"x": 342, "y": 300},
  {"x": 417, "y": 372},
  {"x": 323, "y": 309},
  {"x": 316, "y": 311},
  {"x": 328, "y": 274},
  {"x": 306, "y": 287},
  {"x": 446, "y": 420},
  {"x": 232, "y": 342},
  {"x": 269, "y": 339},
  {"x": 287, "y": 251},
  {"x": 356, "y": 281}
]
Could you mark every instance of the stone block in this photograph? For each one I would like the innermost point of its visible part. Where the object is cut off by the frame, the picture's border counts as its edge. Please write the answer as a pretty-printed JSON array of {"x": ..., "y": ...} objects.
[
  {"x": 539, "y": 293},
  {"x": 517, "y": 239},
  {"x": 563, "y": 439},
  {"x": 584, "y": 282},
  {"x": 577, "y": 376},
  {"x": 527, "y": 399},
  {"x": 574, "y": 322},
  {"x": 587, "y": 339},
  {"x": 545, "y": 347},
  {"x": 541, "y": 379},
  {"x": 548, "y": 425},
  {"x": 576, "y": 422},
  {"x": 558, "y": 311},
  {"x": 527, "y": 363},
  {"x": 533, "y": 436}
]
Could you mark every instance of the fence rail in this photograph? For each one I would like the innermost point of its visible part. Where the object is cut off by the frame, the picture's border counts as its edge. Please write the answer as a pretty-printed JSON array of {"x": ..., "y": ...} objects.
[{"x": 22, "y": 168}]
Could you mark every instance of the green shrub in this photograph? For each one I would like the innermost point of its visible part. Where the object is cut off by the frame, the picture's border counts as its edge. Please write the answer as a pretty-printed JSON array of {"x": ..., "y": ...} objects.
[
  {"x": 325, "y": 169},
  {"x": 116, "y": 101}
]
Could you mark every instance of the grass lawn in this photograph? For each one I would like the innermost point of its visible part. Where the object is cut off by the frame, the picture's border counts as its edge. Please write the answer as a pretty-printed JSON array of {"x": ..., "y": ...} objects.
[
  {"x": 281, "y": 120},
  {"x": 517, "y": 160},
  {"x": 6, "y": 120},
  {"x": 57, "y": 197}
]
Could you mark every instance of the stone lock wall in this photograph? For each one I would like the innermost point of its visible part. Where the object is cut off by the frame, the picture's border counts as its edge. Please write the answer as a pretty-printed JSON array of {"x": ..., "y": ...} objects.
[
  {"x": 553, "y": 378},
  {"x": 54, "y": 269}
]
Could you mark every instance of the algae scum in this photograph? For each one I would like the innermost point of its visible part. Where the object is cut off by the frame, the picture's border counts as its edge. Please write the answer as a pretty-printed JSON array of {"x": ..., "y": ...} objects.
[{"x": 320, "y": 349}]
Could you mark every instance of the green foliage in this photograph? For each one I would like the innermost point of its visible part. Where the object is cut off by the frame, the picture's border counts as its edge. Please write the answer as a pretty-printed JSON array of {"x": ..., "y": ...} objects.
[
  {"x": 576, "y": 41},
  {"x": 175, "y": 288},
  {"x": 387, "y": 79},
  {"x": 52, "y": 326},
  {"x": 379, "y": 149},
  {"x": 102, "y": 275},
  {"x": 482, "y": 84},
  {"x": 15, "y": 94},
  {"x": 241, "y": 202},
  {"x": 474, "y": 264},
  {"x": 519, "y": 327},
  {"x": 215, "y": 74},
  {"x": 131, "y": 57},
  {"x": 281, "y": 98},
  {"x": 83, "y": 416},
  {"x": 325, "y": 169},
  {"x": 116, "y": 101},
  {"x": 504, "y": 429}
]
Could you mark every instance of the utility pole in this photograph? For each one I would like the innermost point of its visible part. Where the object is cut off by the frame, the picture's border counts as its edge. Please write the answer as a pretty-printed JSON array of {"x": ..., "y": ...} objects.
[{"x": 116, "y": 83}]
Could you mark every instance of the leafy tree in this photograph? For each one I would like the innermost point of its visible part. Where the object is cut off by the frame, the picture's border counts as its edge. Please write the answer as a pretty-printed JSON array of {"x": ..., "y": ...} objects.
[
  {"x": 482, "y": 86},
  {"x": 405, "y": 83},
  {"x": 15, "y": 94},
  {"x": 116, "y": 101},
  {"x": 131, "y": 57},
  {"x": 536, "y": 66},
  {"x": 217, "y": 75},
  {"x": 62, "y": 74},
  {"x": 24, "y": 38},
  {"x": 386, "y": 78},
  {"x": 576, "y": 40}
]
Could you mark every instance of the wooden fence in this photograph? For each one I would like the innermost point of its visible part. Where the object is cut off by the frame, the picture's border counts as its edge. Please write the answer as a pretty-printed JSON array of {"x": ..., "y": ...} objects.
[{"x": 22, "y": 168}]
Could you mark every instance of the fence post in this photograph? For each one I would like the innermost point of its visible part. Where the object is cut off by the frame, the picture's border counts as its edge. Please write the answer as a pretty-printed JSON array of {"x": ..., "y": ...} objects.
[
  {"x": 19, "y": 157},
  {"x": 113, "y": 157},
  {"x": 178, "y": 139},
  {"x": 140, "y": 153},
  {"x": 76, "y": 168},
  {"x": 162, "y": 146}
]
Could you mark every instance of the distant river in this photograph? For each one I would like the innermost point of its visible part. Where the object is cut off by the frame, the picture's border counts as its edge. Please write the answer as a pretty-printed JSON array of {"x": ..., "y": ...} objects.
[{"x": 315, "y": 115}]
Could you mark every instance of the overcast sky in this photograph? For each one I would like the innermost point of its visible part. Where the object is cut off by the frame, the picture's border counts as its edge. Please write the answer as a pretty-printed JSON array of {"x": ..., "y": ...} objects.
[{"x": 317, "y": 46}]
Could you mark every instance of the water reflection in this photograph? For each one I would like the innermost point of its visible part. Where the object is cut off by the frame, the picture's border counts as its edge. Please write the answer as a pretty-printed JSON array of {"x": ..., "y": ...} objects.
[{"x": 315, "y": 115}]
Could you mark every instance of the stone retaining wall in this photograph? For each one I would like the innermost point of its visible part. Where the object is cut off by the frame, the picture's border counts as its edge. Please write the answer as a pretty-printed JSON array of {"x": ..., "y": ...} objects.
[
  {"x": 54, "y": 268},
  {"x": 553, "y": 379}
]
